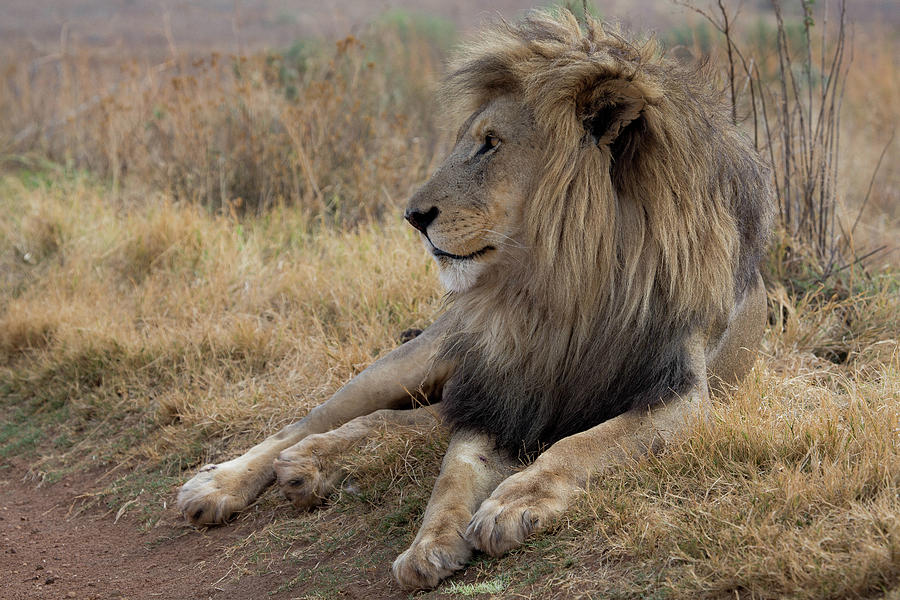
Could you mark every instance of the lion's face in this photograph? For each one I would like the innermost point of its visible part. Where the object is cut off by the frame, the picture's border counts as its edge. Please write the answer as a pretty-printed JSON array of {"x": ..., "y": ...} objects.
[{"x": 470, "y": 212}]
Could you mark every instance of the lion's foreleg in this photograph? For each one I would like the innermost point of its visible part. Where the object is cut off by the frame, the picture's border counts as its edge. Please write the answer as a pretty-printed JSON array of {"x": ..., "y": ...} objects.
[
  {"x": 532, "y": 498},
  {"x": 309, "y": 470},
  {"x": 471, "y": 469},
  {"x": 220, "y": 490}
]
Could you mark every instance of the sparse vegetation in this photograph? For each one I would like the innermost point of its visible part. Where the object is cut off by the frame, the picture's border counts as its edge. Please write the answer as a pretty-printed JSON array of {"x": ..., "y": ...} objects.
[
  {"x": 492, "y": 586},
  {"x": 792, "y": 100},
  {"x": 339, "y": 131},
  {"x": 205, "y": 248}
]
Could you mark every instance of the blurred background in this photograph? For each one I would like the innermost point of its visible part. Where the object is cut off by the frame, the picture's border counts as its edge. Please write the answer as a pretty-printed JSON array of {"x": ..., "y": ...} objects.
[
  {"x": 250, "y": 103},
  {"x": 231, "y": 26}
]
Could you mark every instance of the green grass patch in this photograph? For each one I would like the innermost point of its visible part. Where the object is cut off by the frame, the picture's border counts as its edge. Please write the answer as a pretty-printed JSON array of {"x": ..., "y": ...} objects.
[{"x": 490, "y": 586}]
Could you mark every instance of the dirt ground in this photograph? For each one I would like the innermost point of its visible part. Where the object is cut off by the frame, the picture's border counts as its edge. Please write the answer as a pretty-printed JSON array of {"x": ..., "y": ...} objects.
[{"x": 48, "y": 550}]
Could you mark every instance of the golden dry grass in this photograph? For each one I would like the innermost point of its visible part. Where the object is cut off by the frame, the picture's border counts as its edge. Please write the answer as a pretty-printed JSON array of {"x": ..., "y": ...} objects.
[
  {"x": 154, "y": 337},
  {"x": 149, "y": 324},
  {"x": 341, "y": 130},
  {"x": 212, "y": 324}
]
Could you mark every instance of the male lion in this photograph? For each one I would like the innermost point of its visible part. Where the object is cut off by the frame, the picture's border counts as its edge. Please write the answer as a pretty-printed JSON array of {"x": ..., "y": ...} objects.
[{"x": 598, "y": 225}]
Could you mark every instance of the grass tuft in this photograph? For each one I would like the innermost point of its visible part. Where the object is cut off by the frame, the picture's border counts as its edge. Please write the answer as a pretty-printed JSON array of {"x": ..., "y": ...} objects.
[{"x": 491, "y": 586}]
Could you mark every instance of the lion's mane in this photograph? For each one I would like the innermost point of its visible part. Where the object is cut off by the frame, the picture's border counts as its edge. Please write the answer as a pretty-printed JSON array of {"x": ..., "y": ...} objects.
[{"x": 633, "y": 241}]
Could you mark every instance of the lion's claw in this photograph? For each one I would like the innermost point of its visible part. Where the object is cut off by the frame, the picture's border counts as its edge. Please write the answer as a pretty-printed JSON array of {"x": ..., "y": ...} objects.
[
  {"x": 495, "y": 530},
  {"x": 512, "y": 513}
]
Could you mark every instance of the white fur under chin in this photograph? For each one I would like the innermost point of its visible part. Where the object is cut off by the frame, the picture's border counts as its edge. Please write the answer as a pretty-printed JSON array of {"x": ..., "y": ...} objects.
[{"x": 458, "y": 275}]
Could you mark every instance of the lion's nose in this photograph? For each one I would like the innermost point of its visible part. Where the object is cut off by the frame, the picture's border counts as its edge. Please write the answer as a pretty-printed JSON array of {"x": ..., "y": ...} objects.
[{"x": 421, "y": 220}]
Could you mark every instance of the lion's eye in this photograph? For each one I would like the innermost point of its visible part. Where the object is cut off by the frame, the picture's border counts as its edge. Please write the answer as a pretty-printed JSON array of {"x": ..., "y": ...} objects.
[{"x": 491, "y": 141}]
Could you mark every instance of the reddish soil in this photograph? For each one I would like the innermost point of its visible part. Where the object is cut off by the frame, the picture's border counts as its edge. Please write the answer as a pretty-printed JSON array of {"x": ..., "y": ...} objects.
[{"x": 45, "y": 552}]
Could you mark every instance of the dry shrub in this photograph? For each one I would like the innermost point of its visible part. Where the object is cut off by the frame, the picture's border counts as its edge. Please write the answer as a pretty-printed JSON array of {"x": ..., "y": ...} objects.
[
  {"x": 42, "y": 236},
  {"x": 29, "y": 235},
  {"x": 851, "y": 323},
  {"x": 342, "y": 133},
  {"x": 824, "y": 120},
  {"x": 871, "y": 133}
]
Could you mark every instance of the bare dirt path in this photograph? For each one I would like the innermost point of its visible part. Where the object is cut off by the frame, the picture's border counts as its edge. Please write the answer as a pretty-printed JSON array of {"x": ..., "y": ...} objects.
[{"x": 46, "y": 552}]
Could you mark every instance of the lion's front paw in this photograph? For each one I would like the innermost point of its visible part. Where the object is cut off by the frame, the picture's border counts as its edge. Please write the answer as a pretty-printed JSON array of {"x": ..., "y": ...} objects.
[
  {"x": 520, "y": 506},
  {"x": 307, "y": 472},
  {"x": 216, "y": 492},
  {"x": 429, "y": 560}
]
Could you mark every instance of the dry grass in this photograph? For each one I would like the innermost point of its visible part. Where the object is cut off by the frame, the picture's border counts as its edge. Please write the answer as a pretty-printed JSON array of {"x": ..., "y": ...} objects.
[
  {"x": 154, "y": 337},
  {"x": 340, "y": 131},
  {"x": 194, "y": 320},
  {"x": 150, "y": 323}
]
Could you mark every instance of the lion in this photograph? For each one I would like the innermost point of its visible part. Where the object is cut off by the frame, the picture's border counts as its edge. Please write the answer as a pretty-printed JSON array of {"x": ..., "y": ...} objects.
[{"x": 598, "y": 226}]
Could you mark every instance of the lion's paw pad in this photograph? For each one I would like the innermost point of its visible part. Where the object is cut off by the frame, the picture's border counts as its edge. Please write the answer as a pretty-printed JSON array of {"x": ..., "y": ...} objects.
[
  {"x": 511, "y": 514},
  {"x": 424, "y": 564},
  {"x": 212, "y": 496},
  {"x": 303, "y": 480}
]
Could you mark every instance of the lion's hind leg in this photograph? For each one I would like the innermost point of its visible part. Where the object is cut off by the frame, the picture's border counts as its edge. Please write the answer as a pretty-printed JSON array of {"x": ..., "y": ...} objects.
[
  {"x": 471, "y": 469},
  {"x": 309, "y": 471}
]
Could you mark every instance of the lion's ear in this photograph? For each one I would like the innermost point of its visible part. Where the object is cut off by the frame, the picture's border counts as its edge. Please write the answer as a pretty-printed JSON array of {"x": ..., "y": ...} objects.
[{"x": 609, "y": 109}]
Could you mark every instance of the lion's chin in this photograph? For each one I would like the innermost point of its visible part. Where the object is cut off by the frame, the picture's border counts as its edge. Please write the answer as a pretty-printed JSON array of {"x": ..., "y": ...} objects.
[{"x": 458, "y": 275}]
